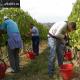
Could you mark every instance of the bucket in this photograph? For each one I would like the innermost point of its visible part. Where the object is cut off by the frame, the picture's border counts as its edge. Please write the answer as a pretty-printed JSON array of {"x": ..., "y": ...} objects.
[
  {"x": 30, "y": 55},
  {"x": 68, "y": 55},
  {"x": 66, "y": 71},
  {"x": 3, "y": 68}
]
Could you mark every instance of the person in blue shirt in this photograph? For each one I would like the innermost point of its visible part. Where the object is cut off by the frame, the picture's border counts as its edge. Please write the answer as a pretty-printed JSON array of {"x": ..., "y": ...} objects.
[
  {"x": 34, "y": 32},
  {"x": 14, "y": 42}
]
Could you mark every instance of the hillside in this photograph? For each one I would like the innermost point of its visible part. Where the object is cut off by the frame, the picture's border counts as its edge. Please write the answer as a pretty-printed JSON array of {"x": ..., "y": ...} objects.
[{"x": 48, "y": 24}]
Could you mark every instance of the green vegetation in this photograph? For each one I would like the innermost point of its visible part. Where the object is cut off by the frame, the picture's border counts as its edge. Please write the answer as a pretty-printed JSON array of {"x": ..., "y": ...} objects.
[
  {"x": 75, "y": 16},
  {"x": 36, "y": 69},
  {"x": 23, "y": 20}
]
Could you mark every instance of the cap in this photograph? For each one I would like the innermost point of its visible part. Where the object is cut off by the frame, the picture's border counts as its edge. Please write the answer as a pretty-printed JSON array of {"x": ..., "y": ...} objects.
[{"x": 5, "y": 17}]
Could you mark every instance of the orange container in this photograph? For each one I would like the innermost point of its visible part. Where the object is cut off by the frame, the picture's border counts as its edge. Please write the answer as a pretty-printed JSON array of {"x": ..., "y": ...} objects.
[
  {"x": 68, "y": 55},
  {"x": 66, "y": 71}
]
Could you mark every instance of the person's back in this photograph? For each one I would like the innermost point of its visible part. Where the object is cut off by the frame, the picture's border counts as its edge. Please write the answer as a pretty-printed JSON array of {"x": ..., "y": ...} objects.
[
  {"x": 35, "y": 31},
  {"x": 14, "y": 37},
  {"x": 58, "y": 29},
  {"x": 14, "y": 42},
  {"x": 10, "y": 26}
]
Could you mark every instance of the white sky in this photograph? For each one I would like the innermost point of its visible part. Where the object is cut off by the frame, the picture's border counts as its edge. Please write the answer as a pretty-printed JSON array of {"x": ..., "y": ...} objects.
[{"x": 48, "y": 10}]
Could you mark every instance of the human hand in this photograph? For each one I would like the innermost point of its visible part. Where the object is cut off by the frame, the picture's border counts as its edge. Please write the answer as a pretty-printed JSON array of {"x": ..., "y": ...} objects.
[{"x": 27, "y": 35}]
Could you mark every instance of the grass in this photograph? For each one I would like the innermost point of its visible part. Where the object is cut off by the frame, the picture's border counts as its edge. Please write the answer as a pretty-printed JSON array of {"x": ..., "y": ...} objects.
[{"x": 35, "y": 69}]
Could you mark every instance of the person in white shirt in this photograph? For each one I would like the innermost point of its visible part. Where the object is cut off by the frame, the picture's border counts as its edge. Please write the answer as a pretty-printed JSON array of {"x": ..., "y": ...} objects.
[{"x": 56, "y": 36}]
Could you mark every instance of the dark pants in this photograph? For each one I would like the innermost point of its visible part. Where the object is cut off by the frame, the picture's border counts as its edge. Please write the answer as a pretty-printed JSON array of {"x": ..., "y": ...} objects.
[
  {"x": 14, "y": 58},
  {"x": 35, "y": 44}
]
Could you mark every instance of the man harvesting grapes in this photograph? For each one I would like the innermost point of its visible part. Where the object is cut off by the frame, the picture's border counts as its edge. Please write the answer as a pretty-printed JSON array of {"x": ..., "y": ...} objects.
[
  {"x": 14, "y": 42},
  {"x": 56, "y": 36}
]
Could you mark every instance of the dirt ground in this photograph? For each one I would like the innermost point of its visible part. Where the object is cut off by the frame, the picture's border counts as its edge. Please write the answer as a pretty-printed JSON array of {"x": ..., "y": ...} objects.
[{"x": 37, "y": 69}]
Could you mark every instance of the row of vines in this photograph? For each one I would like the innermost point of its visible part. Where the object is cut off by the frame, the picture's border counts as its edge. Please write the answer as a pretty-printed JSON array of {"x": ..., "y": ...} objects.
[
  {"x": 23, "y": 20},
  {"x": 75, "y": 16}
]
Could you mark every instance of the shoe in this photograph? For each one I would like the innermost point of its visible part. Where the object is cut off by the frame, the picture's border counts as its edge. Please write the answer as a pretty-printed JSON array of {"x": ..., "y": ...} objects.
[
  {"x": 9, "y": 70},
  {"x": 50, "y": 75}
]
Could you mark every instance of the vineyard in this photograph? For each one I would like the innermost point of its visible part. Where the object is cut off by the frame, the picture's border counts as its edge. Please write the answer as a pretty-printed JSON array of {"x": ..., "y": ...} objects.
[
  {"x": 75, "y": 16},
  {"x": 23, "y": 20},
  {"x": 37, "y": 69}
]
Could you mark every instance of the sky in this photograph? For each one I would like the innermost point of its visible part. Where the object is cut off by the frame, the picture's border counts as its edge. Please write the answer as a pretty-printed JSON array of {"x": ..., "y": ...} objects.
[{"x": 48, "y": 10}]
